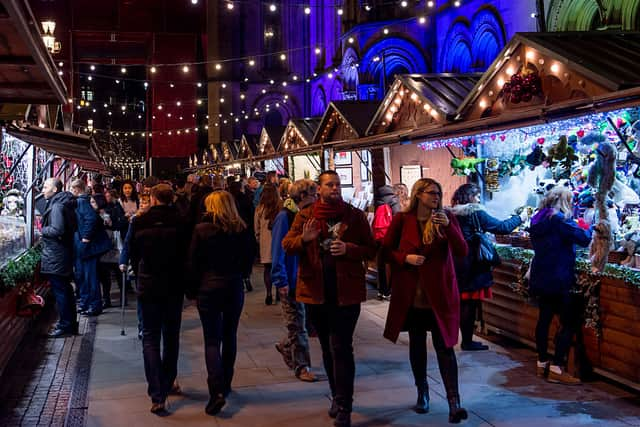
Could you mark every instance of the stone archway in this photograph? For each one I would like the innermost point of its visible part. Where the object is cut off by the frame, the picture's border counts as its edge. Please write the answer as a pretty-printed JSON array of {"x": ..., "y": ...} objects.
[
  {"x": 318, "y": 102},
  {"x": 456, "y": 55},
  {"x": 488, "y": 37},
  {"x": 577, "y": 15}
]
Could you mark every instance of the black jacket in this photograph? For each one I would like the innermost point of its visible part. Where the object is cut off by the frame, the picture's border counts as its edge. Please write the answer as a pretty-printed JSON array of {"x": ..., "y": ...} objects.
[
  {"x": 216, "y": 258},
  {"x": 469, "y": 278},
  {"x": 157, "y": 250},
  {"x": 57, "y": 235}
]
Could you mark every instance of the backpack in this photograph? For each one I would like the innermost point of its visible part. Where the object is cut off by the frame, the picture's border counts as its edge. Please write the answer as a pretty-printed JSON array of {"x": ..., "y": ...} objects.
[{"x": 381, "y": 221}]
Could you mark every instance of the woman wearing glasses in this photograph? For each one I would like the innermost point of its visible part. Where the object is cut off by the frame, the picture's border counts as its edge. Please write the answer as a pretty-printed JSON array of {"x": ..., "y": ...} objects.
[{"x": 420, "y": 246}]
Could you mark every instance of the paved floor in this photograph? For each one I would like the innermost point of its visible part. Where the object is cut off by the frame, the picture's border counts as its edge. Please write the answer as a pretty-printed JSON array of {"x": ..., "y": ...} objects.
[{"x": 498, "y": 387}]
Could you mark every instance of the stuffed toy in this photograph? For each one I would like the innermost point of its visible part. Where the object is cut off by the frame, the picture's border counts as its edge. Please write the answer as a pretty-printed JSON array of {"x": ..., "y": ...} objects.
[
  {"x": 602, "y": 175},
  {"x": 536, "y": 157},
  {"x": 561, "y": 157},
  {"x": 465, "y": 165}
]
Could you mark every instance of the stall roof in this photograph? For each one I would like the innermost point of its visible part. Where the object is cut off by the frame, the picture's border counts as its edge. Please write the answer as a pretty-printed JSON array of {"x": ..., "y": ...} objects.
[
  {"x": 354, "y": 115},
  {"x": 248, "y": 146},
  {"x": 569, "y": 65},
  {"x": 29, "y": 75},
  {"x": 270, "y": 137},
  {"x": 67, "y": 145},
  {"x": 419, "y": 99},
  {"x": 298, "y": 134}
]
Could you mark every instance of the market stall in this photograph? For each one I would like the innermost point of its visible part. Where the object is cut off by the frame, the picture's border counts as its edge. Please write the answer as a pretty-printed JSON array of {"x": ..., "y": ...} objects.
[
  {"x": 30, "y": 90},
  {"x": 537, "y": 119},
  {"x": 298, "y": 136},
  {"x": 422, "y": 101},
  {"x": 247, "y": 151},
  {"x": 270, "y": 138},
  {"x": 344, "y": 121}
]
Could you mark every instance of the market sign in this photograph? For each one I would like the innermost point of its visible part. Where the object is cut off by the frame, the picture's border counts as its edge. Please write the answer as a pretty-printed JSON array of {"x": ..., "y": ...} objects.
[
  {"x": 416, "y": 100},
  {"x": 538, "y": 70}
]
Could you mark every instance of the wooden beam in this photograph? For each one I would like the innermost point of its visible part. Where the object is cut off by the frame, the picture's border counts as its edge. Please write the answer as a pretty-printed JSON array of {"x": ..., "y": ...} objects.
[
  {"x": 25, "y": 86},
  {"x": 17, "y": 60}
]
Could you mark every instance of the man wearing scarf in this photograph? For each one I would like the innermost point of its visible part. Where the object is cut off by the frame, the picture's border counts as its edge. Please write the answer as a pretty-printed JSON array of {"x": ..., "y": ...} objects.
[{"x": 333, "y": 240}]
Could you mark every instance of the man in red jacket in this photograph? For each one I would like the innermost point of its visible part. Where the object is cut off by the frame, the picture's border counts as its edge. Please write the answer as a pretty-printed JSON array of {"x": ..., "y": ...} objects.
[{"x": 332, "y": 239}]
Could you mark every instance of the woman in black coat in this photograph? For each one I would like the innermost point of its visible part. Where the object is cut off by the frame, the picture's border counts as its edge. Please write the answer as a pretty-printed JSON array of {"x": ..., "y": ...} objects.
[
  {"x": 475, "y": 282},
  {"x": 222, "y": 252}
]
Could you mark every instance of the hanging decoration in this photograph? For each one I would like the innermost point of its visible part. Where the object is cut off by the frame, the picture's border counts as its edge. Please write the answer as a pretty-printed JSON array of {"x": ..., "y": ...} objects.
[
  {"x": 491, "y": 175},
  {"x": 522, "y": 87}
]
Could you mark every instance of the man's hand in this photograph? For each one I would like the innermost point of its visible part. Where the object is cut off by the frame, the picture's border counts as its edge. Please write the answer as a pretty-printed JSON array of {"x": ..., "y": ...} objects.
[
  {"x": 310, "y": 230},
  {"x": 338, "y": 247},
  {"x": 85, "y": 240},
  {"x": 413, "y": 259}
]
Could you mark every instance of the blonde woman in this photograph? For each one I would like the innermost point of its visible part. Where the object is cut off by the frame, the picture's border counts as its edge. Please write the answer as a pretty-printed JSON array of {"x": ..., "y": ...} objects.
[
  {"x": 402, "y": 192},
  {"x": 554, "y": 235},
  {"x": 420, "y": 245},
  {"x": 216, "y": 282}
]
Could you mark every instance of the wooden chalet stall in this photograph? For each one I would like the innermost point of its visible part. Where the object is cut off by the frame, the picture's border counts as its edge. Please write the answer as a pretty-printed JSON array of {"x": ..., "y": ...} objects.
[
  {"x": 31, "y": 91},
  {"x": 348, "y": 121},
  {"x": 541, "y": 88},
  {"x": 296, "y": 144},
  {"x": 421, "y": 101},
  {"x": 270, "y": 138},
  {"x": 247, "y": 151}
]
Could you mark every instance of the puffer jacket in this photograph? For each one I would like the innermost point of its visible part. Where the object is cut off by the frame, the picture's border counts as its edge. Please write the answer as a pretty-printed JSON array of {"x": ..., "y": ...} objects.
[
  {"x": 554, "y": 238},
  {"x": 470, "y": 277},
  {"x": 57, "y": 237}
]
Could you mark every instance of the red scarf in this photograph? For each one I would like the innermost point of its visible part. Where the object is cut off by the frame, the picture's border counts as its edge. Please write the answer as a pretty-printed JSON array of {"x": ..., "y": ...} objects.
[{"x": 324, "y": 211}]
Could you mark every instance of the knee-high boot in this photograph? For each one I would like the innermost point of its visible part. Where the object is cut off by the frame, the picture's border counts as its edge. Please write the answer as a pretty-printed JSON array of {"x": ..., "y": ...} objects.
[
  {"x": 449, "y": 371},
  {"x": 422, "y": 404}
]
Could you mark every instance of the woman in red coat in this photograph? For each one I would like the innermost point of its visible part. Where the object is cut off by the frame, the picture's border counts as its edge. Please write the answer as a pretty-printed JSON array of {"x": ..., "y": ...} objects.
[{"x": 420, "y": 245}]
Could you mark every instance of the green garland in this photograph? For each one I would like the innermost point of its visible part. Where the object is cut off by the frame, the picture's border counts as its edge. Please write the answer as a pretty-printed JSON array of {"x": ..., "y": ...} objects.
[
  {"x": 20, "y": 270},
  {"x": 588, "y": 283},
  {"x": 614, "y": 271}
]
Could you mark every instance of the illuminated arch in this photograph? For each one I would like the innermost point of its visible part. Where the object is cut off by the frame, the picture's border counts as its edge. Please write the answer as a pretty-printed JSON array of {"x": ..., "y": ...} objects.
[
  {"x": 456, "y": 56},
  {"x": 488, "y": 37},
  {"x": 318, "y": 102},
  {"x": 335, "y": 94},
  {"x": 401, "y": 56},
  {"x": 287, "y": 110},
  {"x": 349, "y": 70}
]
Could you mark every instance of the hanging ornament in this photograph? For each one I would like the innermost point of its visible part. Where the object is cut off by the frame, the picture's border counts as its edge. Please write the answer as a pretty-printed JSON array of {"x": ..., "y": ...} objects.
[{"x": 491, "y": 175}]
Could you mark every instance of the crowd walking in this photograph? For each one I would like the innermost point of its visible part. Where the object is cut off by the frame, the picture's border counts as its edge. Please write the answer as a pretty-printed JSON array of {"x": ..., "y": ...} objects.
[{"x": 200, "y": 238}]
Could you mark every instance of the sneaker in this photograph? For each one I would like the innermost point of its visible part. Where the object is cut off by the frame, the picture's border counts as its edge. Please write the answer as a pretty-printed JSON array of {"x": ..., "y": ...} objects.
[
  {"x": 175, "y": 390},
  {"x": 60, "y": 333},
  {"x": 286, "y": 357},
  {"x": 562, "y": 378},
  {"x": 306, "y": 375}
]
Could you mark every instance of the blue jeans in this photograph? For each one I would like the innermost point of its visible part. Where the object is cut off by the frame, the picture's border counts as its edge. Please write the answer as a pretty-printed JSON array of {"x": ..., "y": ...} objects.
[
  {"x": 161, "y": 320},
  {"x": 220, "y": 311},
  {"x": 90, "y": 294},
  {"x": 65, "y": 301}
]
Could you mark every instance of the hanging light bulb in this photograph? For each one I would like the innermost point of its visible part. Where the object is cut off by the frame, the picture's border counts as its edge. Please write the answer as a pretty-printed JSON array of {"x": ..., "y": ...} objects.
[
  {"x": 404, "y": 3},
  {"x": 93, "y": 67},
  {"x": 230, "y": 6},
  {"x": 123, "y": 70},
  {"x": 340, "y": 11},
  {"x": 218, "y": 67},
  {"x": 153, "y": 70},
  {"x": 307, "y": 10},
  {"x": 317, "y": 51},
  {"x": 185, "y": 69},
  {"x": 273, "y": 7},
  {"x": 283, "y": 57},
  {"x": 252, "y": 62}
]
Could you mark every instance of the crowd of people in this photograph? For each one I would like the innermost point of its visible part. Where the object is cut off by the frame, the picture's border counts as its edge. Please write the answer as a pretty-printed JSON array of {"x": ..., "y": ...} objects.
[{"x": 199, "y": 239}]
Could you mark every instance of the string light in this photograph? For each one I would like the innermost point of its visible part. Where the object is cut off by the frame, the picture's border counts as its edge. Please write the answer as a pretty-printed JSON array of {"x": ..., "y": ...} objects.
[
  {"x": 185, "y": 69},
  {"x": 230, "y": 5},
  {"x": 93, "y": 67},
  {"x": 307, "y": 10},
  {"x": 273, "y": 7},
  {"x": 340, "y": 11},
  {"x": 123, "y": 70},
  {"x": 153, "y": 70}
]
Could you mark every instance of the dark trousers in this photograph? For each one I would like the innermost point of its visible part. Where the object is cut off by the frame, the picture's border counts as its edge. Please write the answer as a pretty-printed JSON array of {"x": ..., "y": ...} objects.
[
  {"x": 90, "y": 294},
  {"x": 568, "y": 309},
  {"x": 419, "y": 321},
  {"x": 105, "y": 272},
  {"x": 65, "y": 300},
  {"x": 161, "y": 321},
  {"x": 468, "y": 310},
  {"x": 335, "y": 326},
  {"x": 383, "y": 281},
  {"x": 220, "y": 311}
]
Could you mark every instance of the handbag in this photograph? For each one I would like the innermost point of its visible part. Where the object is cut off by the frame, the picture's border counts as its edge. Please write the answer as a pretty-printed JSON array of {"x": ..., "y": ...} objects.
[{"x": 483, "y": 253}]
